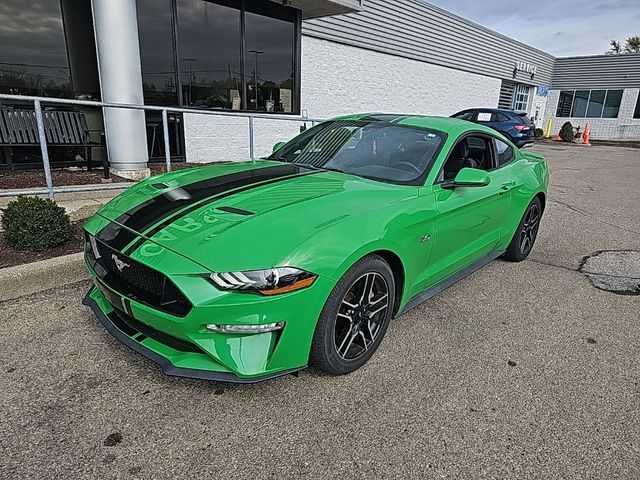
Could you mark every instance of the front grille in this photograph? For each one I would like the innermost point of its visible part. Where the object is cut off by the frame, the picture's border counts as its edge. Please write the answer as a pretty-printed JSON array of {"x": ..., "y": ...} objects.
[{"x": 137, "y": 281}]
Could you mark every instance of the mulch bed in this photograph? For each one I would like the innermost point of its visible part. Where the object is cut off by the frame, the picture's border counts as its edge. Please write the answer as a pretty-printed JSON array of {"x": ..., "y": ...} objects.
[
  {"x": 33, "y": 178},
  {"x": 9, "y": 257},
  {"x": 158, "y": 168},
  {"x": 61, "y": 177}
]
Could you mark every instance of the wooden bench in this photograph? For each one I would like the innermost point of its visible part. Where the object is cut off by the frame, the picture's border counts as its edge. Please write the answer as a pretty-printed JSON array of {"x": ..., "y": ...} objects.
[{"x": 18, "y": 128}]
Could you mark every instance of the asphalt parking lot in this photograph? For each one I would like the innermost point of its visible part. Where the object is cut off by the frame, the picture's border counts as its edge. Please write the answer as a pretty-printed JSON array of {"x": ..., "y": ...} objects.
[{"x": 519, "y": 371}]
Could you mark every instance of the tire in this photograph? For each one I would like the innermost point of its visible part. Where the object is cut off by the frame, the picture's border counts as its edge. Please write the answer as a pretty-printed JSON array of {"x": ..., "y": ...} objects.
[
  {"x": 350, "y": 329},
  {"x": 526, "y": 233}
]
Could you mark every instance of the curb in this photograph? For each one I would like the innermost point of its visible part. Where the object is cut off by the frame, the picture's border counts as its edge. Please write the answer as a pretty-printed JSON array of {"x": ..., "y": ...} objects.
[{"x": 43, "y": 275}]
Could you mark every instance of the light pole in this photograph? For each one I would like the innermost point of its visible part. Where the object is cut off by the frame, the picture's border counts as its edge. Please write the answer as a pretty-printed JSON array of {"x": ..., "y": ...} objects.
[
  {"x": 190, "y": 60},
  {"x": 255, "y": 76}
]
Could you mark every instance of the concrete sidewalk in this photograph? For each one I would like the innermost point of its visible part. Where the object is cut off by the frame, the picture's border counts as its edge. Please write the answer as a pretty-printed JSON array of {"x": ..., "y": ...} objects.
[{"x": 79, "y": 205}]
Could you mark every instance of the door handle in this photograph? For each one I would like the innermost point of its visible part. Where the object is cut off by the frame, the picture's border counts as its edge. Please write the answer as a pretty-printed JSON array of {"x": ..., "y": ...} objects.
[{"x": 506, "y": 187}]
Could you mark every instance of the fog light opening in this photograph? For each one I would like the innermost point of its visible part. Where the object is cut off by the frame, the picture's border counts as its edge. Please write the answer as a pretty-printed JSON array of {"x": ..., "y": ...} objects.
[{"x": 246, "y": 329}]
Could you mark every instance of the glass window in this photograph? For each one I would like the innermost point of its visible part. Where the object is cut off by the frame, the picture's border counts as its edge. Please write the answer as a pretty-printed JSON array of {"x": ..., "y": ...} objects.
[
  {"x": 590, "y": 104},
  {"x": 636, "y": 112},
  {"x": 470, "y": 152},
  {"x": 465, "y": 116},
  {"x": 269, "y": 63},
  {"x": 521, "y": 97},
  {"x": 504, "y": 152},
  {"x": 157, "y": 55},
  {"x": 371, "y": 149},
  {"x": 209, "y": 47},
  {"x": 580, "y": 101},
  {"x": 212, "y": 71},
  {"x": 564, "y": 104},
  {"x": 37, "y": 58},
  {"x": 612, "y": 104},
  {"x": 596, "y": 102}
]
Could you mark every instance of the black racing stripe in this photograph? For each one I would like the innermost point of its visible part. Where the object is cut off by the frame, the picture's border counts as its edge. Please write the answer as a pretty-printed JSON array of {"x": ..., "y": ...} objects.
[
  {"x": 167, "y": 221},
  {"x": 148, "y": 213}
]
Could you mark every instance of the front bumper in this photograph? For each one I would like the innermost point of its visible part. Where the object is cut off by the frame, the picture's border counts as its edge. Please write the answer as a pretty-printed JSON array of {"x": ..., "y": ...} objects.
[
  {"x": 133, "y": 334},
  {"x": 184, "y": 347}
]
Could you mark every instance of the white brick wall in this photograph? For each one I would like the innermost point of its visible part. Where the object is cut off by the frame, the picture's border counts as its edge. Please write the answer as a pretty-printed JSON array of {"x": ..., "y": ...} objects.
[
  {"x": 339, "y": 79},
  {"x": 625, "y": 126}
]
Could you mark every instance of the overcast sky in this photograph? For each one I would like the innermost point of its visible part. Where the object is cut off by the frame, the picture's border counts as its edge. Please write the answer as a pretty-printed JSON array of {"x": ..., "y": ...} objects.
[{"x": 560, "y": 27}]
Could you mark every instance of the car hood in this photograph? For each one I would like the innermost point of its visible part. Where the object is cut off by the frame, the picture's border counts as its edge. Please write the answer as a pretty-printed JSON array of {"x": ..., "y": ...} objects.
[{"x": 249, "y": 215}]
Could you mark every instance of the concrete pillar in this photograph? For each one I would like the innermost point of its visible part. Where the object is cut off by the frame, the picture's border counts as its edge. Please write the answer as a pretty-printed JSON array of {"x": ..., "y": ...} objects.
[{"x": 116, "y": 30}]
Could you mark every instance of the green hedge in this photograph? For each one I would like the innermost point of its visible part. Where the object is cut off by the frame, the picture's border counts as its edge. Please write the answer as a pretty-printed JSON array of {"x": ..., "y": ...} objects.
[
  {"x": 566, "y": 132},
  {"x": 33, "y": 223}
]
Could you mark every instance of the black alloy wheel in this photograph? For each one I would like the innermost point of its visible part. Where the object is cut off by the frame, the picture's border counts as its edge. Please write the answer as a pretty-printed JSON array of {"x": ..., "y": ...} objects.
[
  {"x": 529, "y": 229},
  {"x": 355, "y": 317},
  {"x": 526, "y": 233},
  {"x": 360, "y": 316}
]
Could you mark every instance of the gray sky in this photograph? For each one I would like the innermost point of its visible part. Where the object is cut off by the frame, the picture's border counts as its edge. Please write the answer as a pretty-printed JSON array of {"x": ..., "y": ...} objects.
[{"x": 560, "y": 27}]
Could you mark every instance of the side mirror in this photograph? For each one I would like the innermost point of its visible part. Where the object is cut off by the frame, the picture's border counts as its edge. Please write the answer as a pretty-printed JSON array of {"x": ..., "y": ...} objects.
[
  {"x": 278, "y": 146},
  {"x": 469, "y": 177}
]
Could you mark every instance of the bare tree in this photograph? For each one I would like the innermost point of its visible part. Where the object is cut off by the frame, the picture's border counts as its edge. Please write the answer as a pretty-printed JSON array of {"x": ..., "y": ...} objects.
[
  {"x": 631, "y": 45},
  {"x": 615, "y": 47}
]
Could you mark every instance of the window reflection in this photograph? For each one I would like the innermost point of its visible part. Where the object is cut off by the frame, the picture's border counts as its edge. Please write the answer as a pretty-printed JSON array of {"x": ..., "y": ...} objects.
[
  {"x": 269, "y": 67},
  {"x": 155, "y": 29},
  {"x": 209, "y": 46},
  {"x": 191, "y": 54},
  {"x": 35, "y": 56}
]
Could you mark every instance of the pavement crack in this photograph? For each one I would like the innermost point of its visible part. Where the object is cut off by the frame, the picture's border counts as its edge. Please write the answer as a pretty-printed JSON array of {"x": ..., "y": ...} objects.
[
  {"x": 593, "y": 217},
  {"x": 554, "y": 265}
]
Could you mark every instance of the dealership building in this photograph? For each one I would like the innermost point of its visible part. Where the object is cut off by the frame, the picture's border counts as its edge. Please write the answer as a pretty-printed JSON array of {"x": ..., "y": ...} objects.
[{"x": 319, "y": 58}]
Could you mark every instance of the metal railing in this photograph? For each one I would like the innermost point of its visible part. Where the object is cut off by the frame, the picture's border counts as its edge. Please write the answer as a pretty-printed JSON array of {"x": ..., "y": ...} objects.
[{"x": 51, "y": 190}]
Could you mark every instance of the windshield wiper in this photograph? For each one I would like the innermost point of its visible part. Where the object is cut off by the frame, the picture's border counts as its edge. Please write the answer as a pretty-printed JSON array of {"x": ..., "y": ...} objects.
[
  {"x": 310, "y": 166},
  {"x": 306, "y": 165},
  {"x": 334, "y": 169}
]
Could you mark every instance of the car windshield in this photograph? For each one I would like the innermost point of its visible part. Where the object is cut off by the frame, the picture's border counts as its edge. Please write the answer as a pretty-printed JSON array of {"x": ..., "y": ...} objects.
[{"x": 367, "y": 148}]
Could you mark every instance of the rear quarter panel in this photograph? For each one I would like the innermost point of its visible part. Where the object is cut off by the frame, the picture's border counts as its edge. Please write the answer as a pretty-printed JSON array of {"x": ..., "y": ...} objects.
[{"x": 532, "y": 178}]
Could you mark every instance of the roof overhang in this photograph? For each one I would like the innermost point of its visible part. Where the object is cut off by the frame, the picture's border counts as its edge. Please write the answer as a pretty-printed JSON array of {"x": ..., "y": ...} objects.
[{"x": 322, "y": 8}]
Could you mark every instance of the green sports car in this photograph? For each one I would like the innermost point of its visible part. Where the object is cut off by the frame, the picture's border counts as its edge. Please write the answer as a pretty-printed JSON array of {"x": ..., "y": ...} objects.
[{"x": 245, "y": 271}]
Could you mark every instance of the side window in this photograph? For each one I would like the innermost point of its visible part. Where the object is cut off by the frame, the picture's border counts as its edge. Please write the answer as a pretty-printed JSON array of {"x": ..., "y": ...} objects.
[
  {"x": 470, "y": 152},
  {"x": 504, "y": 153},
  {"x": 502, "y": 117},
  {"x": 465, "y": 116}
]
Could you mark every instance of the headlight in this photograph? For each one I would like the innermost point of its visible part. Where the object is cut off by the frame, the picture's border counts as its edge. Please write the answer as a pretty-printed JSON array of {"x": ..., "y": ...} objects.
[{"x": 272, "y": 281}]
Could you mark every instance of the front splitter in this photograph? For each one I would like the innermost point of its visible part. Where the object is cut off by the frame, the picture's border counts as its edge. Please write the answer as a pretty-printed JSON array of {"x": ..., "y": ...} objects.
[{"x": 167, "y": 367}]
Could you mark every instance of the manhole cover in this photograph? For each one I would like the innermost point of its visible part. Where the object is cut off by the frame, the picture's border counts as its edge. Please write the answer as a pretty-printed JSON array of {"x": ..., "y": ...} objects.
[{"x": 614, "y": 271}]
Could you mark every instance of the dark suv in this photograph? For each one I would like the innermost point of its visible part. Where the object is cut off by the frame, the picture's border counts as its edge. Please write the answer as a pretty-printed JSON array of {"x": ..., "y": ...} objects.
[{"x": 514, "y": 125}]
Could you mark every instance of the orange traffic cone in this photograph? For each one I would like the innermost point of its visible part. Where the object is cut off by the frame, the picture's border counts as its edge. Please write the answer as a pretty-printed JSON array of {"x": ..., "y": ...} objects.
[
  {"x": 585, "y": 135},
  {"x": 557, "y": 138}
]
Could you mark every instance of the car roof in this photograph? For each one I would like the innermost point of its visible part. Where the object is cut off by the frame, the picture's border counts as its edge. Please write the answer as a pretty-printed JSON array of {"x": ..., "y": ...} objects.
[
  {"x": 448, "y": 125},
  {"x": 496, "y": 110}
]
